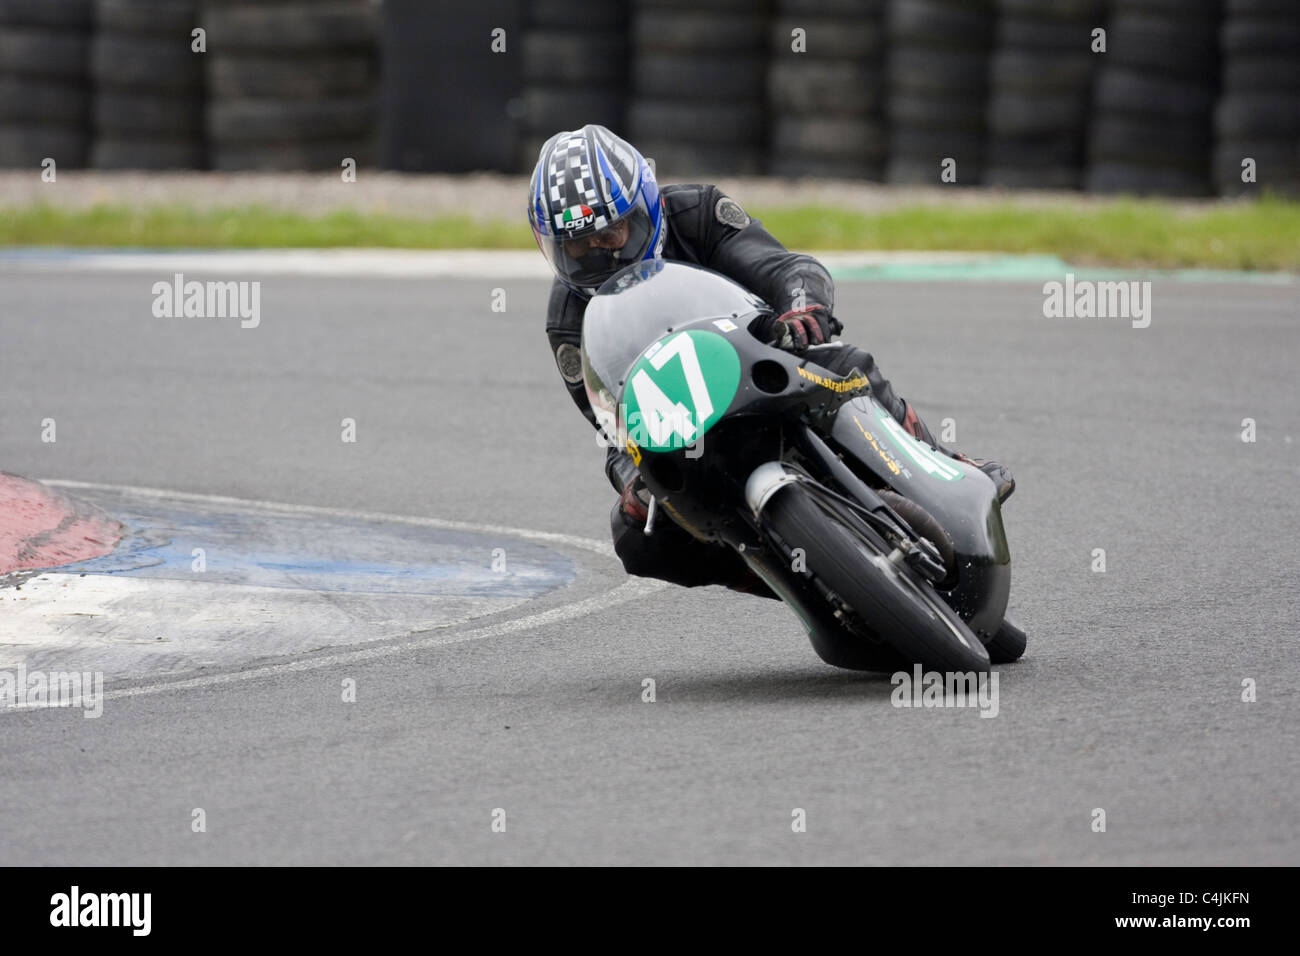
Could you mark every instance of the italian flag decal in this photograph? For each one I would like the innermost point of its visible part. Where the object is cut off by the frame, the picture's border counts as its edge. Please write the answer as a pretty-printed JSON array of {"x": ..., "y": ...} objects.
[{"x": 575, "y": 217}]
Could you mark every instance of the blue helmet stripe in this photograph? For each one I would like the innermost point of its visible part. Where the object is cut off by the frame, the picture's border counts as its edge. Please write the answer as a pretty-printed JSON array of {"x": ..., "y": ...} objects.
[
  {"x": 621, "y": 203},
  {"x": 539, "y": 206}
]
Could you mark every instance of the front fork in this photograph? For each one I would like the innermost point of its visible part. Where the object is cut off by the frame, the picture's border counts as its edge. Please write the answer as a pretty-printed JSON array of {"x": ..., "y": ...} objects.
[{"x": 859, "y": 501}]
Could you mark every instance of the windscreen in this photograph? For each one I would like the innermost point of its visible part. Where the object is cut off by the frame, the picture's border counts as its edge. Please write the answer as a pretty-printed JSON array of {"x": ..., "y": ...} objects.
[{"x": 641, "y": 305}]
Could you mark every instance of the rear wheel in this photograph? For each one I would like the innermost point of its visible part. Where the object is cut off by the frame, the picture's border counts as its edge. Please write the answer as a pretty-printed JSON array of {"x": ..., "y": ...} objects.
[{"x": 883, "y": 597}]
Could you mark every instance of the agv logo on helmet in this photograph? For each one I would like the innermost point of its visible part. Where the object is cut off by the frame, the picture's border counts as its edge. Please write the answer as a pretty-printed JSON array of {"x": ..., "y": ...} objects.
[{"x": 576, "y": 217}]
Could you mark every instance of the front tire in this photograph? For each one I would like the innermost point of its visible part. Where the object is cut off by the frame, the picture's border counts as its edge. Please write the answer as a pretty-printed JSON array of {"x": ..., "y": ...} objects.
[
  {"x": 890, "y": 600},
  {"x": 1008, "y": 644}
]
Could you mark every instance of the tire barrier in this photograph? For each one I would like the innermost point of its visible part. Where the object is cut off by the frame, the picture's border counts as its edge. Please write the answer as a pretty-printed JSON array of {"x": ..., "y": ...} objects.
[
  {"x": 1040, "y": 87},
  {"x": 291, "y": 85},
  {"x": 573, "y": 77},
  {"x": 825, "y": 87},
  {"x": 676, "y": 117},
  {"x": 1257, "y": 116},
  {"x": 147, "y": 107},
  {"x": 1187, "y": 97},
  {"x": 44, "y": 89},
  {"x": 937, "y": 70},
  {"x": 1151, "y": 128},
  {"x": 450, "y": 85}
]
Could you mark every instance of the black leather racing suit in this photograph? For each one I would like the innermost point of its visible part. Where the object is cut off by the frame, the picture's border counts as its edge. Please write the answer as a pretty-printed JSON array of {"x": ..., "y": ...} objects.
[{"x": 707, "y": 228}]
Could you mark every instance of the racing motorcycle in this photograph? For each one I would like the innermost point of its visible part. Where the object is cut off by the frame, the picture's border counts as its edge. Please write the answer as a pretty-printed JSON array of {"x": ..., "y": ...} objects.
[{"x": 890, "y": 552}]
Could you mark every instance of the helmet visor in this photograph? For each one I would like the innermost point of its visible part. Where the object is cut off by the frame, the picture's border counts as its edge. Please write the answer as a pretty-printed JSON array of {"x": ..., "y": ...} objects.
[{"x": 587, "y": 257}]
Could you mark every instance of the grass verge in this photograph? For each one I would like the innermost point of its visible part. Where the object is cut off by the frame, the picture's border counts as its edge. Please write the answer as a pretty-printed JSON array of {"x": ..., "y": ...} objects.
[{"x": 1261, "y": 235}]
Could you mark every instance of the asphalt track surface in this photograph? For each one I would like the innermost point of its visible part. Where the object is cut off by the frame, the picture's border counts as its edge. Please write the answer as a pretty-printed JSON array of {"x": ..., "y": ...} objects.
[{"x": 1129, "y": 699}]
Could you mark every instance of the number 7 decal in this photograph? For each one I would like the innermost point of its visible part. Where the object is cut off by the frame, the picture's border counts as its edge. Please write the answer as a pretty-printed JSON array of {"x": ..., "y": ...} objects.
[
  {"x": 682, "y": 346},
  {"x": 661, "y": 414},
  {"x": 674, "y": 408}
]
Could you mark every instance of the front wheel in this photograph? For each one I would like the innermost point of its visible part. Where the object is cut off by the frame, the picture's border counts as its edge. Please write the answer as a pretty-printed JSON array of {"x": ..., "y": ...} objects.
[
  {"x": 1008, "y": 644},
  {"x": 887, "y": 599}
]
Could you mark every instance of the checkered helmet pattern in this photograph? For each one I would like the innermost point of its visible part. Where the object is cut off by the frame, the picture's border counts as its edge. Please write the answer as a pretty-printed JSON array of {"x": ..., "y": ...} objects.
[{"x": 589, "y": 167}]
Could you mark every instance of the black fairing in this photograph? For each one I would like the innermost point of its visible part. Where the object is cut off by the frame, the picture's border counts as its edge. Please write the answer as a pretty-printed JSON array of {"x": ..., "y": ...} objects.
[{"x": 966, "y": 508}]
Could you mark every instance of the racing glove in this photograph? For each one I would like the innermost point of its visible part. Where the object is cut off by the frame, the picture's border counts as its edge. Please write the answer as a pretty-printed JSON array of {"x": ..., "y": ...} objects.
[
  {"x": 635, "y": 501},
  {"x": 797, "y": 329}
]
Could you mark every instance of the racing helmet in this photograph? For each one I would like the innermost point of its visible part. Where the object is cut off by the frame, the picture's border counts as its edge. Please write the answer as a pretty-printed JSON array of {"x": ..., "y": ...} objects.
[{"x": 594, "y": 206}]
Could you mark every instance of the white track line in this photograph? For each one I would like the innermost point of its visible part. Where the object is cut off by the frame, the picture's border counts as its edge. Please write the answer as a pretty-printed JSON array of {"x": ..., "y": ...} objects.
[
  {"x": 344, "y": 263},
  {"x": 628, "y": 591}
]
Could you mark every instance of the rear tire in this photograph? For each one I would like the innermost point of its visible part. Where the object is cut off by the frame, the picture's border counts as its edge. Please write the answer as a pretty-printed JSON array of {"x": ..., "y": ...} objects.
[{"x": 893, "y": 601}]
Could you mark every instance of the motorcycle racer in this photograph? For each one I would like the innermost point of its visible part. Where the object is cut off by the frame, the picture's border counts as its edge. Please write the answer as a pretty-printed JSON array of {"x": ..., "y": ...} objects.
[{"x": 595, "y": 207}]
